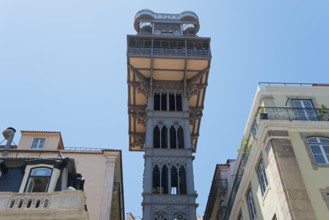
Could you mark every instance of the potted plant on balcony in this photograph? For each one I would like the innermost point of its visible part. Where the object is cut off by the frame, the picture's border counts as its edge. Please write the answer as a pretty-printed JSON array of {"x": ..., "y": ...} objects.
[
  {"x": 263, "y": 114},
  {"x": 324, "y": 112}
]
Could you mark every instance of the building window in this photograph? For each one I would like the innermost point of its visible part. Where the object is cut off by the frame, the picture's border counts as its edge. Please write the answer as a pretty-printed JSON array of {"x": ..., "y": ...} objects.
[
  {"x": 251, "y": 205},
  {"x": 262, "y": 177},
  {"x": 38, "y": 143},
  {"x": 320, "y": 149},
  {"x": 39, "y": 180},
  {"x": 167, "y": 102},
  {"x": 304, "y": 109}
]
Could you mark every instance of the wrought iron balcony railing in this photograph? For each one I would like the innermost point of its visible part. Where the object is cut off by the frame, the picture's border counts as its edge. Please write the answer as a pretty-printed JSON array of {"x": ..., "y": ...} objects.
[{"x": 291, "y": 113}]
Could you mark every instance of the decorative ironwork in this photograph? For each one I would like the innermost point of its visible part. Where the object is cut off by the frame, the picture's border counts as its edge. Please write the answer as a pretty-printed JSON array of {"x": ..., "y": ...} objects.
[
  {"x": 172, "y": 88},
  {"x": 195, "y": 114},
  {"x": 139, "y": 115},
  {"x": 139, "y": 141},
  {"x": 143, "y": 86},
  {"x": 193, "y": 87}
]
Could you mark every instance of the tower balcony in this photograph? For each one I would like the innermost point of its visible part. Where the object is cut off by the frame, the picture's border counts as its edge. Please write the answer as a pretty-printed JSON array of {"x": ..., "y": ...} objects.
[
  {"x": 43, "y": 206},
  {"x": 157, "y": 47}
]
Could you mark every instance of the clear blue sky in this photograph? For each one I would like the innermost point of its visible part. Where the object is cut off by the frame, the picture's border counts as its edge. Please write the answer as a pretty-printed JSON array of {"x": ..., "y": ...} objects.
[{"x": 63, "y": 68}]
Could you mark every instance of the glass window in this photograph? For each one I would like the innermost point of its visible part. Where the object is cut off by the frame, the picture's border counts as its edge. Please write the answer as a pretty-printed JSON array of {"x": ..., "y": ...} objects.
[
  {"x": 38, "y": 143},
  {"x": 304, "y": 109},
  {"x": 39, "y": 180},
  {"x": 320, "y": 149},
  {"x": 262, "y": 177},
  {"x": 251, "y": 205}
]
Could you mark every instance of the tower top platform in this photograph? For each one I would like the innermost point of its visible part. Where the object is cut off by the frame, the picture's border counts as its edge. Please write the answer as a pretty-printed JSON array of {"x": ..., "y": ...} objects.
[{"x": 186, "y": 22}]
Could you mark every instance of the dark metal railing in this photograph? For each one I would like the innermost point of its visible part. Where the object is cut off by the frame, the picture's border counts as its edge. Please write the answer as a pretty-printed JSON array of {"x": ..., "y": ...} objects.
[
  {"x": 270, "y": 113},
  {"x": 169, "y": 52},
  {"x": 291, "y": 113}
]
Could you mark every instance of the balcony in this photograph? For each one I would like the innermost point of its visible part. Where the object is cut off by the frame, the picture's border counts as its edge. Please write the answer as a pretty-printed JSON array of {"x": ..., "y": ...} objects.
[
  {"x": 291, "y": 113},
  {"x": 45, "y": 206},
  {"x": 177, "y": 48}
]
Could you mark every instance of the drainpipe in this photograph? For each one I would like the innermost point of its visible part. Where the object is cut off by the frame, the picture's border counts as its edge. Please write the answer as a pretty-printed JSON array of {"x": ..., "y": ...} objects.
[{"x": 8, "y": 134}]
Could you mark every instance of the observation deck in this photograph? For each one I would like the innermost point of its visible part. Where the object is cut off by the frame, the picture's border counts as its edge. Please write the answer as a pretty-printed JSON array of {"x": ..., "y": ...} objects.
[{"x": 165, "y": 50}]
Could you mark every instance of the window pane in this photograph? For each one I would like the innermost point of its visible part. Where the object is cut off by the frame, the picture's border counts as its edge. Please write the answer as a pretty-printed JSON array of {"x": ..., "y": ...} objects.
[
  {"x": 319, "y": 159},
  {"x": 41, "y": 172},
  {"x": 38, "y": 184},
  {"x": 326, "y": 148},
  {"x": 316, "y": 149},
  {"x": 324, "y": 140},
  {"x": 312, "y": 140}
]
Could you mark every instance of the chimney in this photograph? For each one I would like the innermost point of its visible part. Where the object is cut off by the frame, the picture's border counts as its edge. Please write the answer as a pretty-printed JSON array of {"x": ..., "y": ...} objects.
[{"x": 8, "y": 134}]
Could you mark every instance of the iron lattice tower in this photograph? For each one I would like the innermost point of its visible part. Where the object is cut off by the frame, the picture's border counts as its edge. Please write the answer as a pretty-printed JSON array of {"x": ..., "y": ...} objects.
[{"x": 168, "y": 66}]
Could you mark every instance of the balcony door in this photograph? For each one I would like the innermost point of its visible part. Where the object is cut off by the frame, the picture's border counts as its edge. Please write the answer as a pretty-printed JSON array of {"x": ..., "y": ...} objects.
[{"x": 304, "y": 109}]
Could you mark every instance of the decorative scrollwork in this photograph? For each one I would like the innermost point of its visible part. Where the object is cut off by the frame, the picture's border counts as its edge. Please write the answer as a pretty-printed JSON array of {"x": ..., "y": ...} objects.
[
  {"x": 193, "y": 85},
  {"x": 139, "y": 141},
  {"x": 139, "y": 115},
  {"x": 170, "y": 88},
  {"x": 143, "y": 86},
  {"x": 195, "y": 114}
]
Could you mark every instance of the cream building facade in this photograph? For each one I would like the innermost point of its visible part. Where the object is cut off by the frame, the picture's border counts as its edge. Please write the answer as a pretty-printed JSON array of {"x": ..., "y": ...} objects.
[
  {"x": 282, "y": 169},
  {"x": 40, "y": 180}
]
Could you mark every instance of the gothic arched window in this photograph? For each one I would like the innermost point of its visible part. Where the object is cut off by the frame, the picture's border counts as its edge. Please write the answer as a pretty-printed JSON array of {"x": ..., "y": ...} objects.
[
  {"x": 182, "y": 180},
  {"x": 173, "y": 137},
  {"x": 156, "y": 180},
  {"x": 156, "y": 137},
  {"x": 180, "y": 137},
  {"x": 174, "y": 181},
  {"x": 164, "y": 137},
  {"x": 164, "y": 180}
]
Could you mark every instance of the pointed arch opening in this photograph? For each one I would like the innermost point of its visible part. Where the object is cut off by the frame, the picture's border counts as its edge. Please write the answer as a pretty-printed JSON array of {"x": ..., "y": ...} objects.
[
  {"x": 173, "y": 141},
  {"x": 164, "y": 137},
  {"x": 174, "y": 181},
  {"x": 164, "y": 180},
  {"x": 180, "y": 137},
  {"x": 182, "y": 180},
  {"x": 156, "y": 137},
  {"x": 156, "y": 180}
]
